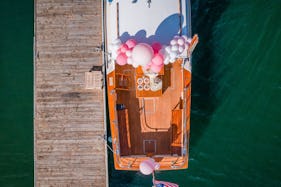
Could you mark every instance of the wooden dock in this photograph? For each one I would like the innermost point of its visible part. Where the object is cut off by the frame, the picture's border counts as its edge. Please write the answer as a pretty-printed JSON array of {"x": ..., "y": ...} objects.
[{"x": 69, "y": 126}]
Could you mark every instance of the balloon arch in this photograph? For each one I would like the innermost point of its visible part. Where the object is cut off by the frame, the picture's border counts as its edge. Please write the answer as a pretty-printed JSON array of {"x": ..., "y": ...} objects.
[{"x": 150, "y": 57}]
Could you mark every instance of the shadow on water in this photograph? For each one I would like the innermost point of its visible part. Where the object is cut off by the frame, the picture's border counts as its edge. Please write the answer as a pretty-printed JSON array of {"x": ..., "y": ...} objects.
[{"x": 205, "y": 14}]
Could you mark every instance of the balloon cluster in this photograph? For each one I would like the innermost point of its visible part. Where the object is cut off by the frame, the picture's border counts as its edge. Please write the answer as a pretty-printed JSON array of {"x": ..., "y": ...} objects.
[
  {"x": 178, "y": 47},
  {"x": 149, "y": 57},
  {"x": 121, "y": 52}
]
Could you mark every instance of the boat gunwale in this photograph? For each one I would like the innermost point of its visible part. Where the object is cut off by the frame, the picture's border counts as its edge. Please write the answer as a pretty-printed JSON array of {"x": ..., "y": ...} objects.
[{"x": 114, "y": 122}]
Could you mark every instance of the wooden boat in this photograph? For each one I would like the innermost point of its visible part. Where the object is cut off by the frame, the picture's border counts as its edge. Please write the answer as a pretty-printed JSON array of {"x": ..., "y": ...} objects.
[{"x": 149, "y": 81}]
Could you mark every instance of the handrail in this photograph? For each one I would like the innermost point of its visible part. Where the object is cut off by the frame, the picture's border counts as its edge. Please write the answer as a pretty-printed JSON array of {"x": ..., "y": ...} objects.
[
  {"x": 104, "y": 58},
  {"x": 185, "y": 139},
  {"x": 117, "y": 140},
  {"x": 185, "y": 150},
  {"x": 115, "y": 122}
]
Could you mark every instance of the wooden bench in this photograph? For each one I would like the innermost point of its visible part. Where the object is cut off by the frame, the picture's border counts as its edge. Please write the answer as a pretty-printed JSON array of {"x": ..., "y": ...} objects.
[
  {"x": 177, "y": 133},
  {"x": 124, "y": 132}
]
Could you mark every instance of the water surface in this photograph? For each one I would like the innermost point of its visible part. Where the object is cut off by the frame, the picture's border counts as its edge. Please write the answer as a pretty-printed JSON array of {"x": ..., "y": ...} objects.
[{"x": 16, "y": 93}]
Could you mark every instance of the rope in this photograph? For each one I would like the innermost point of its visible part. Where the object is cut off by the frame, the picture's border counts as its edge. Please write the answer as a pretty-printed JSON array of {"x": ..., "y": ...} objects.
[
  {"x": 153, "y": 179},
  {"x": 108, "y": 146}
]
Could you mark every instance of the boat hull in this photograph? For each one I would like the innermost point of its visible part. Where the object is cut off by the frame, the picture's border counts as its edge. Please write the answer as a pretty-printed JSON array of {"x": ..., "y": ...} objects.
[{"x": 147, "y": 123}]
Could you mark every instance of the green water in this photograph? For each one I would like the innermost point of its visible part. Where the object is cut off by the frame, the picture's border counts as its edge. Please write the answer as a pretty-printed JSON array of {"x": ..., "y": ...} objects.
[
  {"x": 236, "y": 98},
  {"x": 16, "y": 93}
]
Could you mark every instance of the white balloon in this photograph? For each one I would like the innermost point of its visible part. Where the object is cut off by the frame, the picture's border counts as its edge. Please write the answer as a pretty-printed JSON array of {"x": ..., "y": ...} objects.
[
  {"x": 173, "y": 55},
  {"x": 130, "y": 60},
  {"x": 114, "y": 55},
  {"x": 148, "y": 166},
  {"x": 167, "y": 60},
  {"x": 181, "y": 41},
  {"x": 184, "y": 37},
  {"x": 181, "y": 49},
  {"x": 173, "y": 42},
  {"x": 117, "y": 41},
  {"x": 183, "y": 54},
  {"x": 128, "y": 53},
  {"x": 186, "y": 46},
  {"x": 172, "y": 60},
  {"x": 174, "y": 48},
  {"x": 168, "y": 49},
  {"x": 135, "y": 65},
  {"x": 142, "y": 54}
]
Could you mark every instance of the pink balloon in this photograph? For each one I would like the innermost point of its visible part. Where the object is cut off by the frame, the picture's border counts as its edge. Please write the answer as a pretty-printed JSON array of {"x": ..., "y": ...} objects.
[
  {"x": 156, "y": 47},
  {"x": 142, "y": 54},
  {"x": 131, "y": 43},
  {"x": 147, "y": 66},
  {"x": 148, "y": 166},
  {"x": 129, "y": 53},
  {"x": 124, "y": 48},
  {"x": 158, "y": 59},
  {"x": 155, "y": 68},
  {"x": 121, "y": 59},
  {"x": 119, "y": 51}
]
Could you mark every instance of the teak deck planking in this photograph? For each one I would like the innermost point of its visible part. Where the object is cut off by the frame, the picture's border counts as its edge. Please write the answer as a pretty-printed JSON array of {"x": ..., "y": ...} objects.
[
  {"x": 69, "y": 149},
  {"x": 149, "y": 135},
  {"x": 151, "y": 126}
]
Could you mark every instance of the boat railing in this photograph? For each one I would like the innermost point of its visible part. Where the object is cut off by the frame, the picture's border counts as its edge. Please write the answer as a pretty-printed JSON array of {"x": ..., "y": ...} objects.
[
  {"x": 184, "y": 153},
  {"x": 117, "y": 140},
  {"x": 155, "y": 156},
  {"x": 178, "y": 160},
  {"x": 115, "y": 122},
  {"x": 172, "y": 161},
  {"x": 185, "y": 133}
]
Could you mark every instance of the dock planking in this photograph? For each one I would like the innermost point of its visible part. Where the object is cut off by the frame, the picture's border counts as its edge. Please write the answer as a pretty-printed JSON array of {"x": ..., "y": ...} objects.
[{"x": 69, "y": 149}]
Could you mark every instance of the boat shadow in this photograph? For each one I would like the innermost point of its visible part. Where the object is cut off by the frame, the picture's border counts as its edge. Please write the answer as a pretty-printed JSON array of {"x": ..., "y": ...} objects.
[
  {"x": 164, "y": 33},
  {"x": 205, "y": 14}
]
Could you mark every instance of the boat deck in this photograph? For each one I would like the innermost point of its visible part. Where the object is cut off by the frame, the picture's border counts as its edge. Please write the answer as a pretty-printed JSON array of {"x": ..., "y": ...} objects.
[
  {"x": 148, "y": 121},
  {"x": 69, "y": 149},
  {"x": 152, "y": 121},
  {"x": 143, "y": 127}
]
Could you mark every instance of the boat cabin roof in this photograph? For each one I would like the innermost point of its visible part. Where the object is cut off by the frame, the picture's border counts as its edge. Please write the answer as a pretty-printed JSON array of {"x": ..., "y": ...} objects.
[{"x": 152, "y": 23}]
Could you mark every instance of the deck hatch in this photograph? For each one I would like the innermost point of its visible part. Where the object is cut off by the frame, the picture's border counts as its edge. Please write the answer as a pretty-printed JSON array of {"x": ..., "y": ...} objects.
[{"x": 149, "y": 147}]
